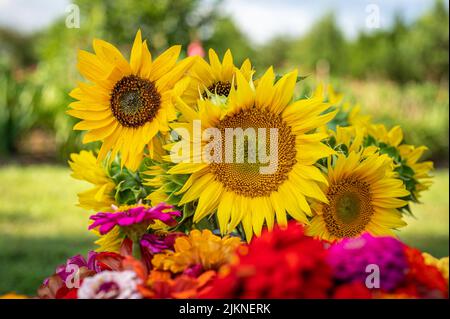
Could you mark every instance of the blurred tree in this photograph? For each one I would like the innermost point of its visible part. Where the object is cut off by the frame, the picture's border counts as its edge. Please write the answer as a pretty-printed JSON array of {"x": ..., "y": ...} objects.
[
  {"x": 414, "y": 52},
  {"x": 15, "y": 45},
  {"x": 226, "y": 35},
  {"x": 324, "y": 41},
  {"x": 377, "y": 54},
  {"x": 275, "y": 53},
  {"x": 17, "y": 105},
  {"x": 429, "y": 43},
  {"x": 163, "y": 22}
]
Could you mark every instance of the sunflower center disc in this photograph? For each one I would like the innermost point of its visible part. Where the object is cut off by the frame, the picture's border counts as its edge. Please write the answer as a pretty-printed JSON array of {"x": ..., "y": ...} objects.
[
  {"x": 350, "y": 209},
  {"x": 245, "y": 178},
  {"x": 219, "y": 88},
  {"x": 134, "y": 101}
]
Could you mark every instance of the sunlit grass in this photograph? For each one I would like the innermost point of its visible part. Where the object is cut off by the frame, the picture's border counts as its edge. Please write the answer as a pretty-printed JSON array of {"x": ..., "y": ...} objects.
[
  {"x": 40, "y": 226},
  {"x": 428, "y": 229}
]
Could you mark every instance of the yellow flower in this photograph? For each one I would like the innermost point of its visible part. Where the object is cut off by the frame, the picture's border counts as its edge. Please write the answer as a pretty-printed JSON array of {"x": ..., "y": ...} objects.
[
  {"x": 241, "y": 192},
  {"x": 127, "y": 103},
  {"x": 348, "y": 114},
  {"x": 13, "y": 295},
  {"x": 392, "y": 137},
  {"x": 156, "y": 177},
  {"x": 214, "y": 77},
  {"x": 333, "y": 97},
  {"x": 199, "y": 248},
  {"x": 421, "y": 170},
  {"x": 109, "y": 242},
  {"x": 354, "y": 115},
  {"x": 441, "y": 264},
  {"x": 363, "y": 196},
  {"x": 86, "y": 168},
  {"x": 409, "y": 154}
]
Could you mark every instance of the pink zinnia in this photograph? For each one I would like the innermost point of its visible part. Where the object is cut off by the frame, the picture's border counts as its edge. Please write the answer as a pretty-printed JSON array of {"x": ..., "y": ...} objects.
[
  {"x": 133, "y": 216},
  {"x": 350, "y": 257}
]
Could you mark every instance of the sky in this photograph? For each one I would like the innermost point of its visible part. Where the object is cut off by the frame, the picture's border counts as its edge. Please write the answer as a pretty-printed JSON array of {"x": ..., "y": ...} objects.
[{"x": 260, "y": 20}]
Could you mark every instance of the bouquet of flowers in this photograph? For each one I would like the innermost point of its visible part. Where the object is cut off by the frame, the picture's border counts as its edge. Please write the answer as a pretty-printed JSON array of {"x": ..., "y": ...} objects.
[{"x": 210, "y": 182}]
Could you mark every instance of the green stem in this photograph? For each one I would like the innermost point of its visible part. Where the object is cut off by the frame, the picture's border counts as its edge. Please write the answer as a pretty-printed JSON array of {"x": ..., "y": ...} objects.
[{"x": 136, "y": 249}]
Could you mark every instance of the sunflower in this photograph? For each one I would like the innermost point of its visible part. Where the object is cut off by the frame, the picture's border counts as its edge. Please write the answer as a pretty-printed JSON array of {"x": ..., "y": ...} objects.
[
  {"x": 422, "y": 177},
  {"x": 86, "y": 168},
  {"x": 110, "y": 242},
  {"x": 347, "y": 115},
  {"x": 392, "y": 137},
  {"x": 214, "y": 78},
  {"x": 351, "y": 139},
  {"x": 241, "y": 192},
  {"x": 407, "y": 157},
  {"x": 363, "y": 196},
  {"x": 126, "y": 104},
  {"x": 164, "y": 185}
]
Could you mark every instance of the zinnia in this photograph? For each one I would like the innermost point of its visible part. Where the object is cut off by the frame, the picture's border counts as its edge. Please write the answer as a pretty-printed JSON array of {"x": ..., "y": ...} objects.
[
  {"x": 280, "y": 264},
  {"x": 351, "y": 257},
  {"x": 133, "y": 216},
  {"x": 111, "y": 285}
]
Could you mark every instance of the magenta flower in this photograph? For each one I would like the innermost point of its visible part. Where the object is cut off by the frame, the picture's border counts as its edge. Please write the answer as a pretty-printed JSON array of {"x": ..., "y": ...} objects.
[
  {"x": 194, "y": 271},
  {"x": 152, "y": 244},
  {"x": 156, "y": 244},
  {"x": 350, "y": 257},
  {"x": 73, "y": 264},
  {"x": 133, "y": 216},
  {"x": 75, "y": 267}
]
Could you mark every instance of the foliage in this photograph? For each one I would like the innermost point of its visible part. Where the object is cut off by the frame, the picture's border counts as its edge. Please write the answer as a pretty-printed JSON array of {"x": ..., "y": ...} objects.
[
  {"x": 165, "y": 22},
  {"x": 421, "y": 109},
  {"x": 406, "y": 52},
  {"x": 17, "y": 106},
  {"x": 417, "y": 51},
  {"x": 328, "y": 44},
  {"x": 38, "y": 70},
  {"x": 226, "y": 35}
]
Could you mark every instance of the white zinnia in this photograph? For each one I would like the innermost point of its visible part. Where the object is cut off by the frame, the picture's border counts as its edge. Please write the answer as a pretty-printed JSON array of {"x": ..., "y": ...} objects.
[{"x": 124, "y": 286}]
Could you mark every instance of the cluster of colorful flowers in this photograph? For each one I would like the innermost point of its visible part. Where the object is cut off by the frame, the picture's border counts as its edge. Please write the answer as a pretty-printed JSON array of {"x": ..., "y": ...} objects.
[
  {"x": 338, "y": 174},
  {"x": 284, "y": 263}
]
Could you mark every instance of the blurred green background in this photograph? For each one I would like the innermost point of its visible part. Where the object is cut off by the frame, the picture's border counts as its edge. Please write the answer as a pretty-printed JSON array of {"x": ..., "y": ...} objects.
[{"x": 398, "y": 73}]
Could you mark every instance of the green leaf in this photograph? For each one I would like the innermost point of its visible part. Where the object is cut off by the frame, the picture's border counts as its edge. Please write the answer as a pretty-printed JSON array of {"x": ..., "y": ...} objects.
[
  {"x": 370, "y": 140},
  {"x": 331, "y": 142},
  {"x": 342, "y": 148},
  {"x": 391, "y": 151},
  {"x": 405, "y": 170},
  {"x": 126, "y": 197}
]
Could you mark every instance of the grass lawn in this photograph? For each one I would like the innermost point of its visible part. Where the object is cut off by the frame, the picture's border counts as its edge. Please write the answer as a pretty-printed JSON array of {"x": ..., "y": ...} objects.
[{"x": 40, "y": 226}]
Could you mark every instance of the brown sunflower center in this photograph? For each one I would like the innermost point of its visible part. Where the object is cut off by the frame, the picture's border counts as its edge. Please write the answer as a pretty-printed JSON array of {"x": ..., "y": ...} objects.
[
  {"x": 219, "y": 88},
  {"x": 134, "y": 101},
  {"x": 245, "y": 177},
  {"x": 350, "y": 208}
]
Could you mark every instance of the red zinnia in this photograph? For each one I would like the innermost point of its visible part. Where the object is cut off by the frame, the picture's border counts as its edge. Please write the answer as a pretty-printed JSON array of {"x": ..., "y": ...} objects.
[
  {"x": 354, "y": 290},
  {"x": 280, "y": 264},
  {"x": 422, "y": 280}
]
